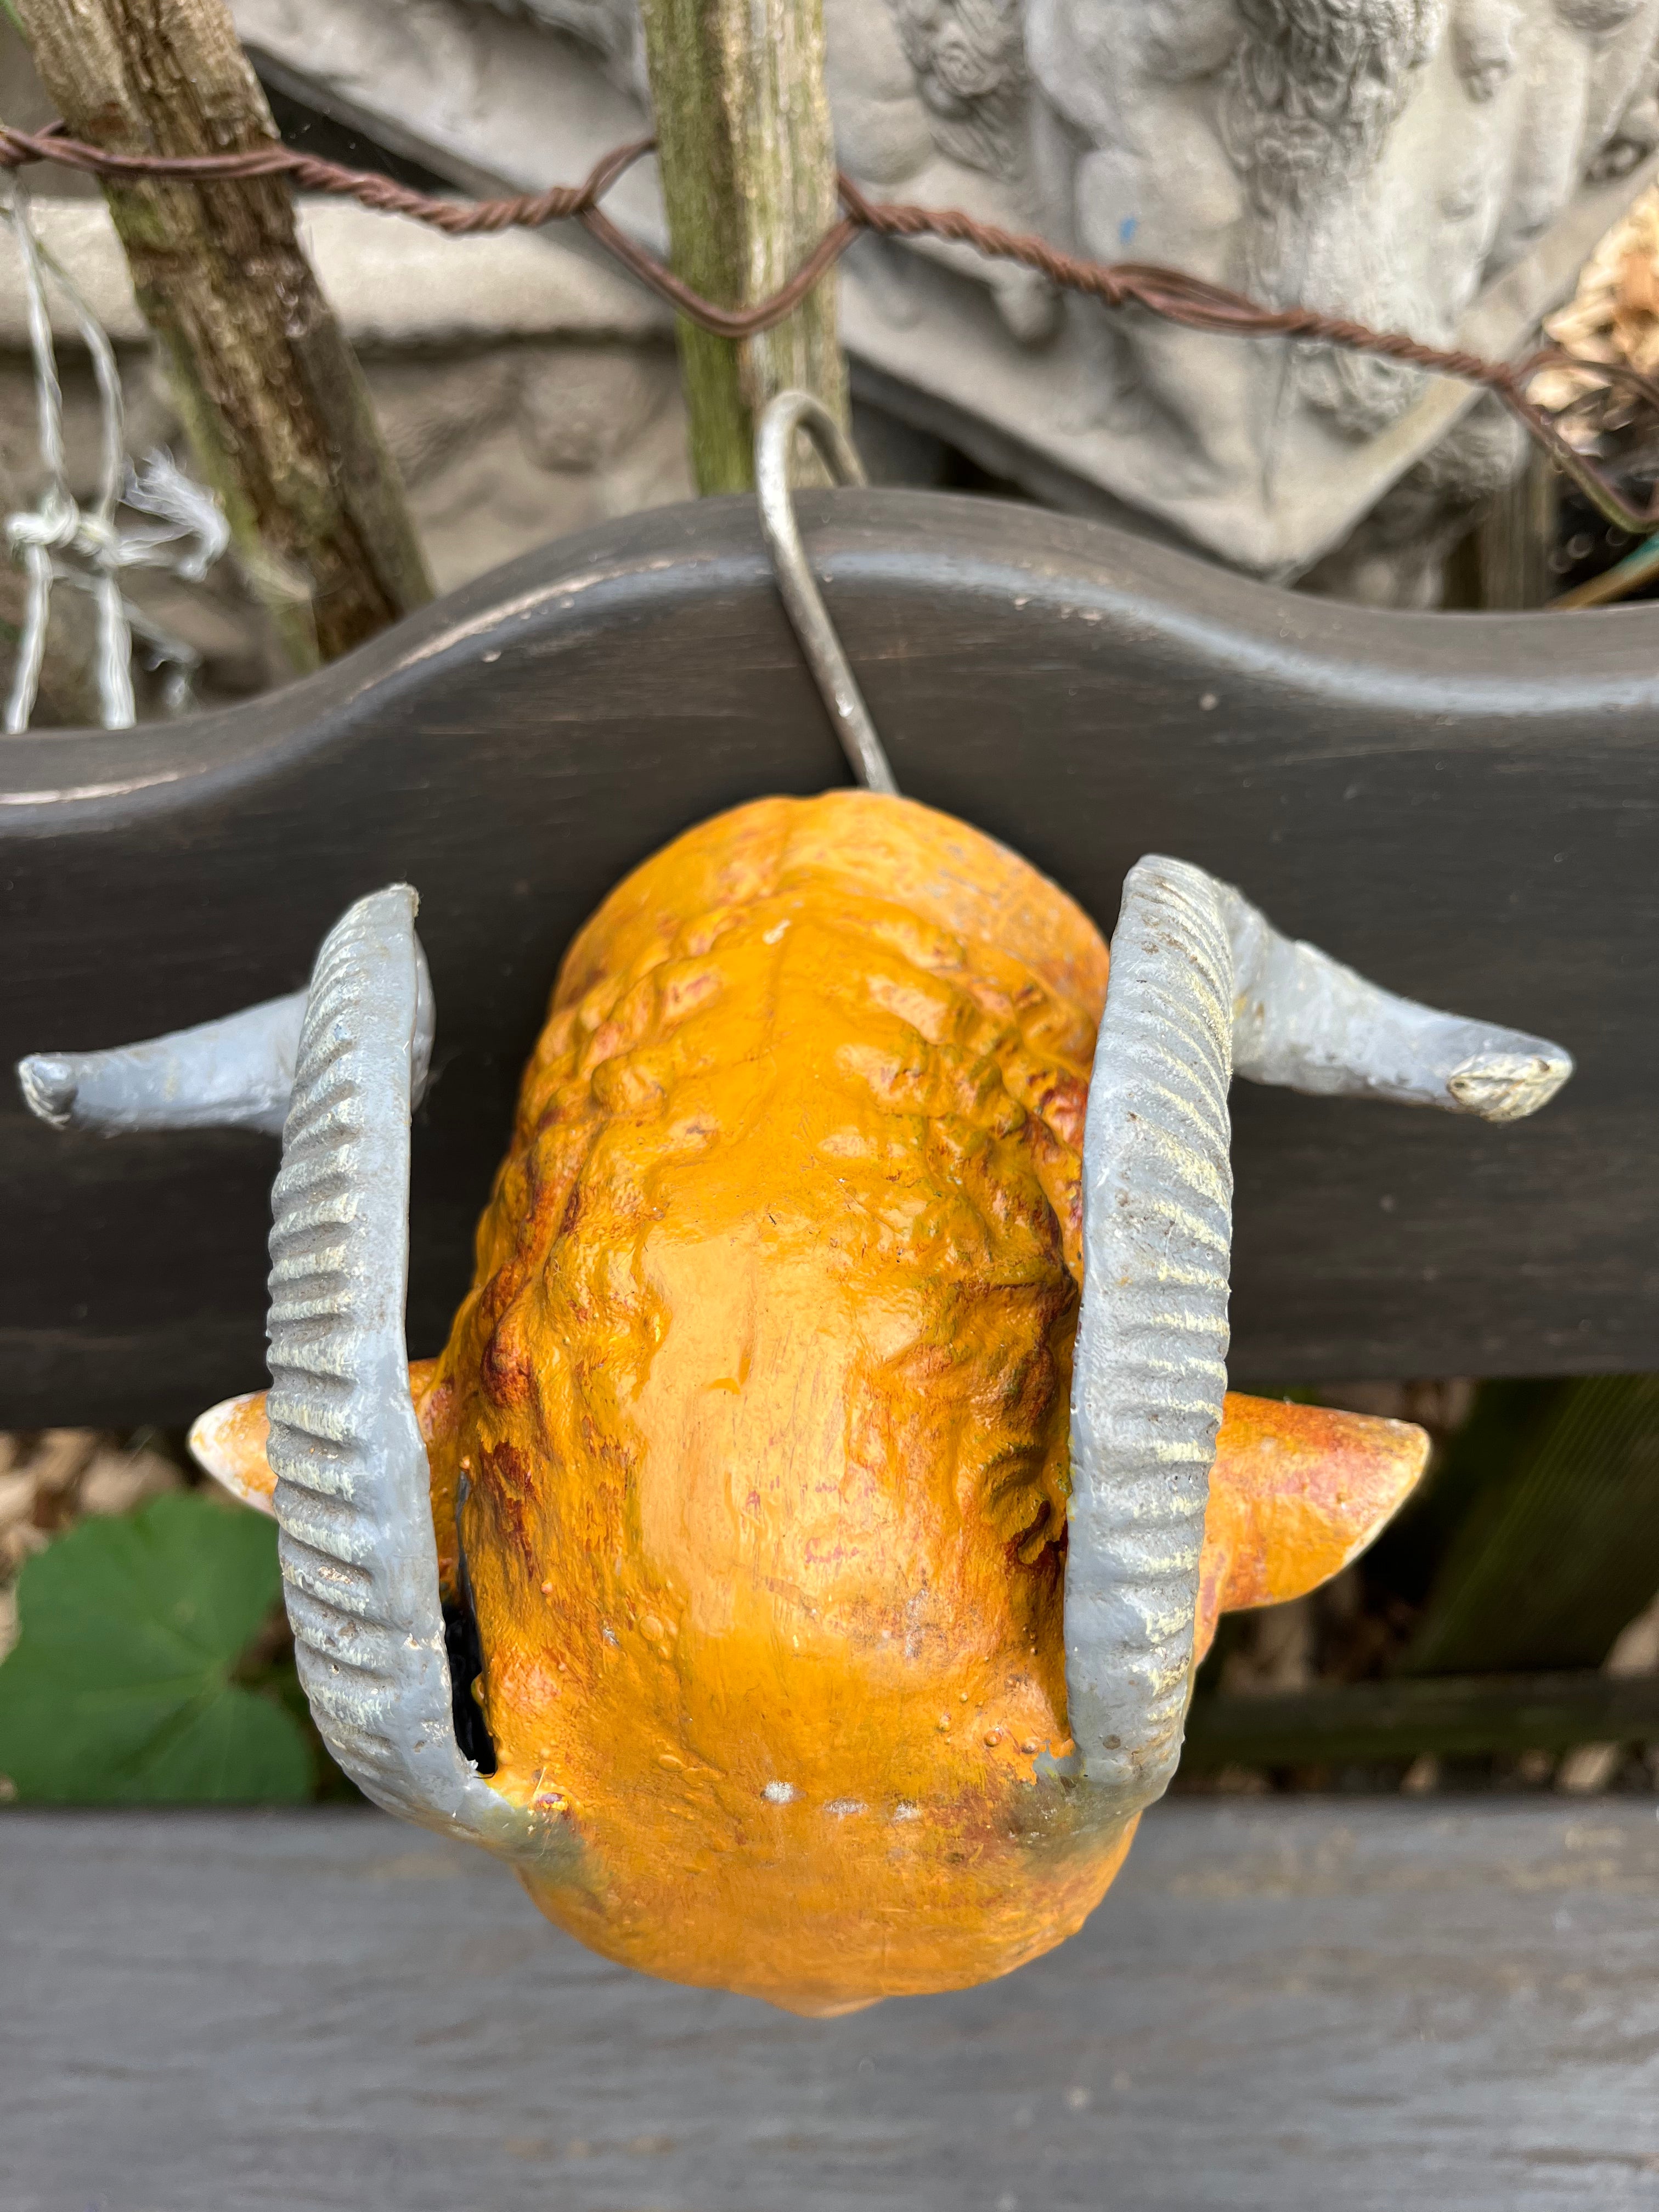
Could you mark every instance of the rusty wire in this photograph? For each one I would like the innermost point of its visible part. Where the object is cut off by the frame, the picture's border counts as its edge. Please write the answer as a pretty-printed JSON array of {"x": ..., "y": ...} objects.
[{"x": 1169, "y": 294}]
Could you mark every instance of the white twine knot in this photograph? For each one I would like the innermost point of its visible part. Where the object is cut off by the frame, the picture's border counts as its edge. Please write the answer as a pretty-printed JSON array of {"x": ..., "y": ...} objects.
[
  {"x": 55, "y": 523},
  {"x": 58, "y": 540}
]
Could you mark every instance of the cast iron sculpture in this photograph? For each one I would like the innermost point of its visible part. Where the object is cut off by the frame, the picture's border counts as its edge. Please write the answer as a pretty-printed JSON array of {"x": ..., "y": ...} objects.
[
  {"x": 832, "y": 1464},
  {"x": 824, "y": 1654}
]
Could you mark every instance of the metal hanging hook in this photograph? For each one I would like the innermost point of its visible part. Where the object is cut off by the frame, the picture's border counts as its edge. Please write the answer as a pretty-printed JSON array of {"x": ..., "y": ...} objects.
[{"x": 775, "y": 442}]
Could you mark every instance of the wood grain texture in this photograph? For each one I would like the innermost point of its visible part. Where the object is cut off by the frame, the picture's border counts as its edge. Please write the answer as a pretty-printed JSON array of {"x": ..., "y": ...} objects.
[
  {"x": 1465, "y": 807},
  {"x": 1460, "y": 1714},
  {"x": 747, "y": 159},
  {"x": 266, "y": 382},
  {"x": 1280, "y": 2008}
]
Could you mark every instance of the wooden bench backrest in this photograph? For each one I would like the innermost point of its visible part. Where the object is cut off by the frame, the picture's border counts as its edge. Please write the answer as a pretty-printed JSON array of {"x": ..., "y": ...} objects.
[{"x": 1465, "y": 807}]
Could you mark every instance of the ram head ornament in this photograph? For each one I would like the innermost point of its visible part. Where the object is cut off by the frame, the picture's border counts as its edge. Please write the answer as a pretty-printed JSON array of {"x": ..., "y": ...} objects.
[{"x": 831, "y": 1466}]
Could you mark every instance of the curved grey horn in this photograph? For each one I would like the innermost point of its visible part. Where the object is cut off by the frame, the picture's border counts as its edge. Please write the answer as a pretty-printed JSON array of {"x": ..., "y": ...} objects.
[
  {"x": 1303, "y": 1020},
  {"x": 234, "y": 1074},
  {"x": 1152, "y": 1343},
  {"x": 1200, "y": 981},
  {"x": 359, "y": 1560}
]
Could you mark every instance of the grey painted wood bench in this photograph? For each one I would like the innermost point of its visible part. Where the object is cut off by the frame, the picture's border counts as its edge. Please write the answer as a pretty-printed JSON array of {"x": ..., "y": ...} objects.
[{"x": 1282, "y": 2007}]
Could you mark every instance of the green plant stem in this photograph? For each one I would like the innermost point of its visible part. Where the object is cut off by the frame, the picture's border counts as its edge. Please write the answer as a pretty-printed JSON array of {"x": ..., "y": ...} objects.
[
  {"x": 1628, "y": 576},
  {"x": 747, "y": 159}
]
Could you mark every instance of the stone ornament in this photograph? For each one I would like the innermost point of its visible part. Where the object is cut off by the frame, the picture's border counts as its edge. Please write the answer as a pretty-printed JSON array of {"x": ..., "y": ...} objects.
[
  {"x": 1441, "y": 166},
  {"x": 833, "y": 1456}
]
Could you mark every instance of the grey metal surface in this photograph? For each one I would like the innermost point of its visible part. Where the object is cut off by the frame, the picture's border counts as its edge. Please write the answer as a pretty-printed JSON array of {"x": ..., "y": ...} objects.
[
  {"x": 360, "y": 1565},
  {"x": 793, "y": 414},
  {"x": 1151, "y": 1343},
  {"x": 1304, "y": 1021},
  {"x": 1282, "y": 2007},
  {"x": 234, "y": 1073},
  {"x": 1198, "y": 978}
]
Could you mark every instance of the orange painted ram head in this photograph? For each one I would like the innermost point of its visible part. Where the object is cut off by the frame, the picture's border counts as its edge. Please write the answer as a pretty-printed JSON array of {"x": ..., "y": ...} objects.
[{"x": 831, "y": 1455}]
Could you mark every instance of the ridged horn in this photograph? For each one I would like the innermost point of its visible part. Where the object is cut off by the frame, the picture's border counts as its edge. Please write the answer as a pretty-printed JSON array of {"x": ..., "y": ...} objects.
[
  {"x": 1150, "y": 1369},
  {"x": 359, "y": 1560},
  {"x": 1200, "y": 982}
]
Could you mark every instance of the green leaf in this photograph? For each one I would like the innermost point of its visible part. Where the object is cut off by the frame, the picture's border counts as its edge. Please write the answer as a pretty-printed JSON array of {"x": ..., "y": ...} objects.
[{"x": 119, "y": 1689}]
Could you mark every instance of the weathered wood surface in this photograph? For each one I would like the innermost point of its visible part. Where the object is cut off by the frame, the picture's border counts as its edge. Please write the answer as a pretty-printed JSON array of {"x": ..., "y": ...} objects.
[
  {"x": 268, "y": 387},
  {"x": 747, "y": 161},
  {"x": 1465, "y": 807},
  {"x": 1468, "y": 1715},
  {"x": 1297, "y": 2007}
]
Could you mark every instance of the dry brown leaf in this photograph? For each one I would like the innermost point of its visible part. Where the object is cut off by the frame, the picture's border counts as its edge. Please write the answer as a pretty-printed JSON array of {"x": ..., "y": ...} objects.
[{"x": 118, "y": 1481}]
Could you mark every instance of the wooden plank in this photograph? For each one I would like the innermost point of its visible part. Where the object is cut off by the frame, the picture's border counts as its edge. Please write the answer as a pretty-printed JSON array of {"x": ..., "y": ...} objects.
[
  {"x": 1467, "y": 808},
  {"x": 1458, "y": 1714},
  {"x": 1284, "y": 2007}
]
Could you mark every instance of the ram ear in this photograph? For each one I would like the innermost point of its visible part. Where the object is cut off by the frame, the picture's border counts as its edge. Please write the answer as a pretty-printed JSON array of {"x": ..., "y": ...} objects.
[
  {"x": 229, "y": 1441},
  {"x": 1296, "y": 1492}
]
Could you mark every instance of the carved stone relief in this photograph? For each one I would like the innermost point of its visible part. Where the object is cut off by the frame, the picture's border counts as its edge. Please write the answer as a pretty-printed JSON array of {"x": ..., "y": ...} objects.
[{"x": 1438, "y": 166}]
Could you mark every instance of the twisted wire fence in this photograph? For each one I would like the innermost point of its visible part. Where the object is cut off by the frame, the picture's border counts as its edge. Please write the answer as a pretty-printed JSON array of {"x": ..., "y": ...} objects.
[{"x": 1172, "y": 294}]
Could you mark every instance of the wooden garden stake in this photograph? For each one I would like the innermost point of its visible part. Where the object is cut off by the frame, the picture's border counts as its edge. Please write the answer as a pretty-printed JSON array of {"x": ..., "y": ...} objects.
[
  {"x": 748, "y": 167},
  {"x": 270, "y": 391}
]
